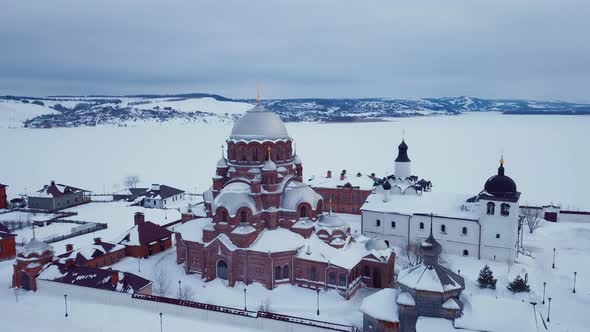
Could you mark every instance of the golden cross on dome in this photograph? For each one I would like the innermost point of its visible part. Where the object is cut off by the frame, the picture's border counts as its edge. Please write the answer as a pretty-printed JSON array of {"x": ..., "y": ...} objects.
[
  {"x": 257, "y": 93},
  {"x": 502, "y": 157}
]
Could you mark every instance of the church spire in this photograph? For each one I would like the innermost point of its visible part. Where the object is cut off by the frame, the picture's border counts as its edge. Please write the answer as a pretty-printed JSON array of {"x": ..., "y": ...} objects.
[{"x": 257, "y": 93}]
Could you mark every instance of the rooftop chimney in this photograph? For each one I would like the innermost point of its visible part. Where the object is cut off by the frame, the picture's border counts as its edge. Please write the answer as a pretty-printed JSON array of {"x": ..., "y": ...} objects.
[
  {"x": 115, "y": 278},
  {"x": 69, "y": 247},
  {"x": 53, "y": 182},
  {"x": 342, "y": 176},
  {"x": 329, "y": 174},
  {"x": 139, "y": 218},
  {"x": 97, "y": 240},
  {"x": 70, "y": 262},
  {"x": 155, "y": 186}
]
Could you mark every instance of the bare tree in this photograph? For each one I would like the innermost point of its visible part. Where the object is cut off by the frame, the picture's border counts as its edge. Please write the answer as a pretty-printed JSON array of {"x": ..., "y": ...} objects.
[
  {"x": 131, "y": 181},
  {"x": 161, "y": 281},
  {"x": 532, "y": 217},
  {"x": 409, "y": 255},
  {"x": 186, "y": 293}
]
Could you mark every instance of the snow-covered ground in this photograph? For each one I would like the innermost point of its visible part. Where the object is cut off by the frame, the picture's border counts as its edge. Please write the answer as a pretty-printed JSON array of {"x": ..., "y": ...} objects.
[
  {"x": 544, "y": 154},
  {"x": 14, "y": 113}
]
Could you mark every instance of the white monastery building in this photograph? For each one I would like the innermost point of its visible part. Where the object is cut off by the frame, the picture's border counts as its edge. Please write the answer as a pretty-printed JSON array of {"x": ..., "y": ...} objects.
[{"x": 401, "y": 209}]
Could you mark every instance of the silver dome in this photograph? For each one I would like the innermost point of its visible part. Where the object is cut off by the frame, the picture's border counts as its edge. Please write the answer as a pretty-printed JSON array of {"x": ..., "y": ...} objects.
[
  {"x": 259, "y": 124},
  {"x": 376, "y": 244}
]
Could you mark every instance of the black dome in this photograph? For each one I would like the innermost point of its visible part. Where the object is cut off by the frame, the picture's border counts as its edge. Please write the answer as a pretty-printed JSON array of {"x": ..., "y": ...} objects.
[
  {"x": 500, "y": 185},
  {"x": 402, "y": 153}
]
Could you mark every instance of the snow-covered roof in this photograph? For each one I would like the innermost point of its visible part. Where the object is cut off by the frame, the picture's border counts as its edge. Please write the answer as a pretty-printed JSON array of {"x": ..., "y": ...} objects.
[
  {"x": 162, "y": 192},
  {"x": 376, "y": 244},
  {"x": 516, "y": 315},
  {"x": 84, "y": 254},
  {"x": 222, "y": 163},
  {"x": 244, "y": 229},
  {"x": 297, "y": 159},
  {"x": 296, "y": 193},
  {"x": 364, "y": 182},
  {"x": 111, "y": 280},
  {"x": 381, "y": 305},
  {"x": 234, "y": 196},
  {"x": 142, "y": 234},
  {"x": 432, "y": 324},
  {"x": 404, "y": 298},
  {"x": 35, "y": 247},
  {"x": 440, "y": 204},
  {"x": 259, "y": 123},
  {"x": 55, "y": 190},
  {"x": 451, "y": 304},
  {"x": 269, "y": 165},
  {"x": 277, "y": 240},
  {"x": 331, "y": 221},
  {"x": 192, "y": 230},
  {"x": 435, "y": 278}
]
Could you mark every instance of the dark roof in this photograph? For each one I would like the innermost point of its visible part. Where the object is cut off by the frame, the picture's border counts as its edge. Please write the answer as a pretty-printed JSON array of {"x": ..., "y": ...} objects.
[
  {"x": 402, "y": 152},
  {"x": 93, "y": 278},
  {"x": 501, "y": 185},
  {"x": 147, "y": 232},
  {"x": 164, "y": 192},
  {"x": 150, "y": 232},
  {"x": 3, "y": 185},
  {"x": 5, "y": 232},
  {"x": 54, "y": 190},
  {"x": 386, "y": 185},
  {"x": 100, "y": 249},
  {"x": 137, "y": 191}
]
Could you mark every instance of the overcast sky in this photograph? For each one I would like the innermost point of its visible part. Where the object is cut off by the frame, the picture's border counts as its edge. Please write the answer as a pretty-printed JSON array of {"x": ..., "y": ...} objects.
[{"x": 322, "y": 48}]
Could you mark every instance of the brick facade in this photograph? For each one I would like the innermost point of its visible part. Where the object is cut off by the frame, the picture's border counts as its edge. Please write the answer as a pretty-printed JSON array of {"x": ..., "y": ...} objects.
[
  {"x": 3, "y": 197},
  {"x": 7, "y": 247}
]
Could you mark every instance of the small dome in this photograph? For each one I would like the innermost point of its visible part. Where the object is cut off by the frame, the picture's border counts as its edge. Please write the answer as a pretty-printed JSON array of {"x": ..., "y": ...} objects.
[
  {"x": 297, "y": 160},
  {"x": 222, "y": 163},
  {"x": 35, "y": 247},
  {"x": 376, "y": 244},
  {"x": 386, "y": 185},
  {"x": 269, "y": 165},
  {"x": 331, "y": 220},
  {"x": 259, "y": 124},
  {"x": 402, "y": 153},
  {"x": 500, "y": 185}
]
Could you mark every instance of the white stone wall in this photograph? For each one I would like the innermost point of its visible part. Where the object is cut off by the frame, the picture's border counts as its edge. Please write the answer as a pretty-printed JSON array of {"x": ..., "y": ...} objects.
[
  {"x": 403, "y": 169},
  {"x": 453, "y": 240},
  {"x": 499, "y": 233}
]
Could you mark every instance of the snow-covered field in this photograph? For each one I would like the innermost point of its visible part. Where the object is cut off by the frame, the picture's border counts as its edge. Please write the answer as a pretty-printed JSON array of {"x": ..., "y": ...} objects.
[
  {"x": 14, "y": 113},
  {"x": 545, "y": 155}
]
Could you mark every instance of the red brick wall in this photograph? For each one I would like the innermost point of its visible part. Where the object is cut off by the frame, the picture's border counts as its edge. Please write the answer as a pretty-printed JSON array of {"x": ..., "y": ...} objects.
[
  {"x": 106, "y": 260},
  {"x": 143, "y": 251},
  {"x": 344, "y": 200},
  {"x": 3, "y": 199},
  {"x": 7, "y": 248}
]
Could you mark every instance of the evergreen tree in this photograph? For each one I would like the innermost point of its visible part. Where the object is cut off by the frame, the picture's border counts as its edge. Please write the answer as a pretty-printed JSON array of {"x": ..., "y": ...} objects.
[
  {"x": 486, "y": 278},
  {"x": 518, "y": 285}
]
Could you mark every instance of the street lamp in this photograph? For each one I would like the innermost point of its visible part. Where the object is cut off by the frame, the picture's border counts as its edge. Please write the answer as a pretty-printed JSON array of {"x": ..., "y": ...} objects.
[
  {"x": 544, "y": 284},
  {"x": 66, "y": 303},
  {"x": 549, "y": 310},
  {"x": 245, "y": 307},
  {"x": 179, "y": 282},
  {"x": 160, "y": 322},
  {"x": 16, "y": 293},
  {"x": 553, "y": 266},
  {"x": 534, "y": 311},
  {"x": 318, "y": 292},
  {"x": 575, "y": 274}
]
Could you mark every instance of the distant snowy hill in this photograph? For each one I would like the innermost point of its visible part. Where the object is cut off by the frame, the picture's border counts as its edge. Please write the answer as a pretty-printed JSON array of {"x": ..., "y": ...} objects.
[{"x": 77, "y": 111}]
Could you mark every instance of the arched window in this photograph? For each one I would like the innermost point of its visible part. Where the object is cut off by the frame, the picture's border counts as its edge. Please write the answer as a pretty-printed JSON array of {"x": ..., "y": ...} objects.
[
  {"x": 277, "y": 273},
  {"x": 393, "y": 224},
  {"x": 443, "y": 228},
  {"x": 366, "y": 271},
  {"x": 286, "y": 272},
  {"x": 378, "y": 222},
  {"x": 465, "y": 252},
  {"x": 314, "y": 274},
  {"x": 497, "y": 236},
  {"x": 243, "y": 217},
  {"x": 243, "y": 154},
  {"x": 342, "y": 280},
  {"x": 224, "y": 216},
  {"x": 303, "y": 212},
  {"x": 421, "y": 225},
  {"x": 332, "y": 278},
  {"x": 464, "y": 231},
  {"x": 255, "y": 154},
  {"x": 491, "y": 207},
  {"x": 505, "y": 209}
]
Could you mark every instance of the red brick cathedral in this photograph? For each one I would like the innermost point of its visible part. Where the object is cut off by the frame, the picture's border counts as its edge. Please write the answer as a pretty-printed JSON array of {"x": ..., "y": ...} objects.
[{"x": 265, "y": 225}]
